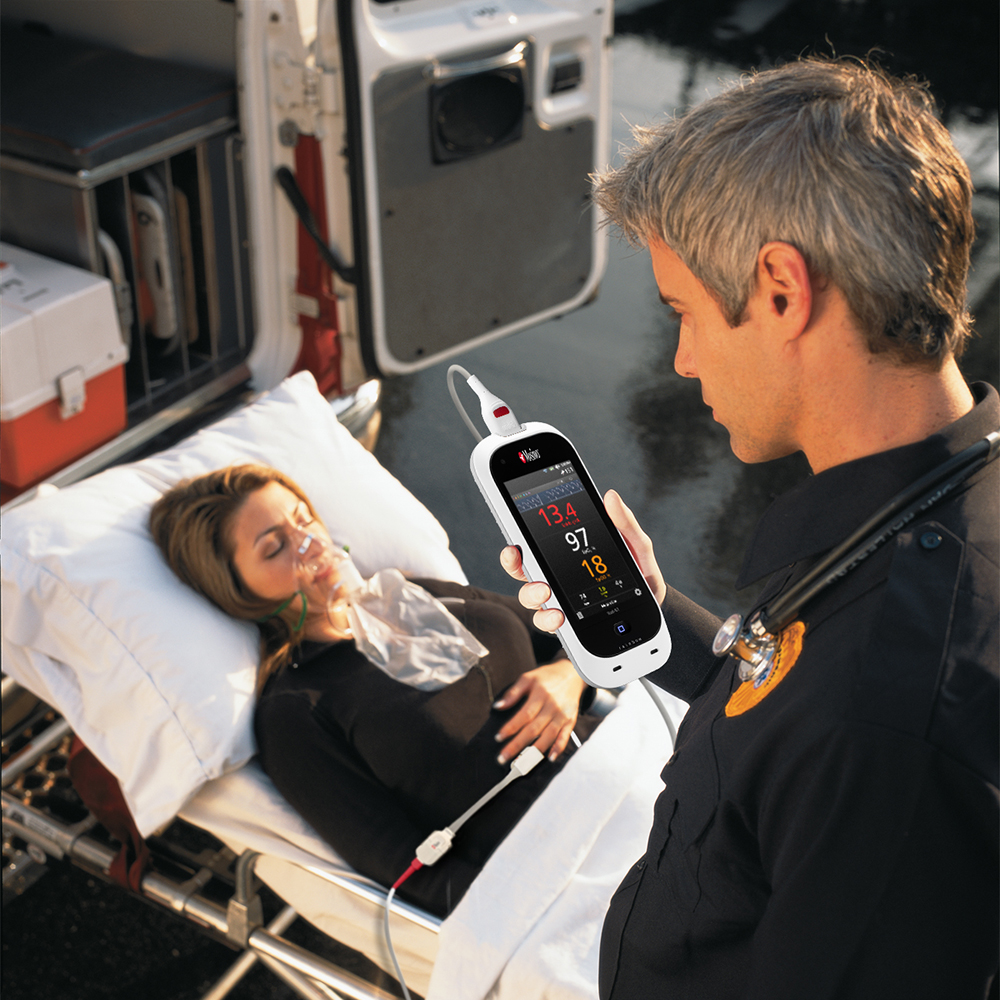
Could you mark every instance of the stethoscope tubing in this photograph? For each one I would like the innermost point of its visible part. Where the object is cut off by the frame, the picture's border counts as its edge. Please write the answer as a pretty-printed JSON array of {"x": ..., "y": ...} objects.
[{"x": 889, "y": 519}]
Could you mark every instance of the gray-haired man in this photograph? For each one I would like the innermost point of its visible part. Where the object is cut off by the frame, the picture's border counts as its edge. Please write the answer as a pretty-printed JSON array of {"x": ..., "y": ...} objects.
[{"x": 829, "y": 829}]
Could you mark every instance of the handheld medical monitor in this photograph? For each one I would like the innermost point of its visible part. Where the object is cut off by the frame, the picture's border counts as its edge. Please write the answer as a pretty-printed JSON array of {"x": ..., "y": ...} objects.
[{"x": 545, "y": 502}]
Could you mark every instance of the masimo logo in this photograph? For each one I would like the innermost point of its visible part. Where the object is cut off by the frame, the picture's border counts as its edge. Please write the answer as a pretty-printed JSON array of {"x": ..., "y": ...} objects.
[{"x": 529, "y": 456}]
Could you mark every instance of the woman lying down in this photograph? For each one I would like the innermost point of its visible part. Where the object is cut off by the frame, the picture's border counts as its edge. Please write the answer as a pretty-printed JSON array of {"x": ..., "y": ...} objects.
[{"x": 373, "y": 762}]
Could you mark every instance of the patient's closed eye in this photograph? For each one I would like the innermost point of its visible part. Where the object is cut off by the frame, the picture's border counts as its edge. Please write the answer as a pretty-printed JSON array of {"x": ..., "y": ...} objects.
[{"x": 278, "y": 538}]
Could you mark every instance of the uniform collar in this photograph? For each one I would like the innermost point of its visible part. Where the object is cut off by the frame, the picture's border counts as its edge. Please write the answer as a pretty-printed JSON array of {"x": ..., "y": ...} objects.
[{"x": 826, "y": 508}]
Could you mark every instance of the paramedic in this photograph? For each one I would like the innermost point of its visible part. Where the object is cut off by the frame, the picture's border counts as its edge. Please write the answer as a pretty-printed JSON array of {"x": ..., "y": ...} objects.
[
  {"x": 832, "y": 834},
  {"x": 375, "y": 765}
]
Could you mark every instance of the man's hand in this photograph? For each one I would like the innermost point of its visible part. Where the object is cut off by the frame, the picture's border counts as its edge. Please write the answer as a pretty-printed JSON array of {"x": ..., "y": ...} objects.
[
  {"x": 534, "y": 595},
  {"x": 548, "y": 714}
]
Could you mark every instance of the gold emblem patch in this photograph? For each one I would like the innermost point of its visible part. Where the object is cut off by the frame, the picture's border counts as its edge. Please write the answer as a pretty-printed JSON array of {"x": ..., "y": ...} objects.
[{"x": 752, "y": 692}]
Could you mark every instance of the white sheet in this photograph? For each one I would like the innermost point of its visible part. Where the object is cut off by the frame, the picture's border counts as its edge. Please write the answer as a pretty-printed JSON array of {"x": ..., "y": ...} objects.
[{"x": 529, "y": 927}]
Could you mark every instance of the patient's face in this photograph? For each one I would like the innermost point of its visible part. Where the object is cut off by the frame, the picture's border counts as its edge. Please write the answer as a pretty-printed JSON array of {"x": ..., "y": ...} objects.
[{"x": 268, "y": 530}]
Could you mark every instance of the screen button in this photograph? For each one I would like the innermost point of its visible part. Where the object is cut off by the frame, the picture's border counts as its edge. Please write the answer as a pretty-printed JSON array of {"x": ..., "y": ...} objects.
[{"x": 621, "y": 628}]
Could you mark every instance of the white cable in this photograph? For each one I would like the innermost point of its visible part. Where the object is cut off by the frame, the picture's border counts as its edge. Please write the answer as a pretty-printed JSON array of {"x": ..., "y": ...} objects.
[
  {"x": 654, "y": 694},
  {"x": 438, "y": 843},
  {"x": 392, "y": 951},
  {"x": 497, "y": 415},
  {"x": 521, "y": 764},
  {"x": 458, "y": 403}
]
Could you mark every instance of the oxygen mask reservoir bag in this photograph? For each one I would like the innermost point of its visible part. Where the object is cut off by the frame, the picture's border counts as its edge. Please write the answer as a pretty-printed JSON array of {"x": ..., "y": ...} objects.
[
  {"x": 396, "y": 624},
  {"x": 409, "y": 633}
]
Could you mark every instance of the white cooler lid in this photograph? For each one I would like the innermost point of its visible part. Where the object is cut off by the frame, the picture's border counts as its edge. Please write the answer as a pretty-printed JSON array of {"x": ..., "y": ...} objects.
[{"x": 54, "y": 318}]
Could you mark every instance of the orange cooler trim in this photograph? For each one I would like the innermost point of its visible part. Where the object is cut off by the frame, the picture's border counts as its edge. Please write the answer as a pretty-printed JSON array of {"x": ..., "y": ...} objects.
[{"x": 40, "y": 442}]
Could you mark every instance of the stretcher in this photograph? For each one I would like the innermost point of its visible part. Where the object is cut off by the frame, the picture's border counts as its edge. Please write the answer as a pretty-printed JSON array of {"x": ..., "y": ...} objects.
[{"x": 159, "y": 687}]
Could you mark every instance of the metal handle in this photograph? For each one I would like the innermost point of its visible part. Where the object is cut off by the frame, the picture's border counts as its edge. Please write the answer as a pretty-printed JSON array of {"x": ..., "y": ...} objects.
[{"x": 448, "y": 71}]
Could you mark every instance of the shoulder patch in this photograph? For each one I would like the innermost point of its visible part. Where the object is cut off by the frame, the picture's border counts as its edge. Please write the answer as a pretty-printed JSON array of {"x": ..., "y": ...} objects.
[{"x": 753, "y": 692}]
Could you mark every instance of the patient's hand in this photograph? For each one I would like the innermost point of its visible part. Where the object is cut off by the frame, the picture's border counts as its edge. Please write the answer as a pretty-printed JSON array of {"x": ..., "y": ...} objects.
[
  {"x": 534, "y": 595},
  {"x": 548, "y": 714}
]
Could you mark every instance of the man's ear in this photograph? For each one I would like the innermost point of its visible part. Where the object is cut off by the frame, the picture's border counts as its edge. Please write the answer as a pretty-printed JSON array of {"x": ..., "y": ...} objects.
[{"x": 784, "y": 288}]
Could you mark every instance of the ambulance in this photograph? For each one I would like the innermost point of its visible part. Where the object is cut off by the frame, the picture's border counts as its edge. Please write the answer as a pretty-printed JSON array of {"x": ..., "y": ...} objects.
[{"x": 200, "y": 197}]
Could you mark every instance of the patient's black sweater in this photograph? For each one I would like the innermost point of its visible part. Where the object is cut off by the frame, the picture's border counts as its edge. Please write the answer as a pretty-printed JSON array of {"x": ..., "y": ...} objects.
[{"x": 376, "y": 765}]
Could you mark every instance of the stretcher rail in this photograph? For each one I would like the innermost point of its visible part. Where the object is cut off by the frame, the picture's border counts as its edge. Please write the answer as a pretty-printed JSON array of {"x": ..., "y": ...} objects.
[
  {"x": 235, "y": 973},
  {"x": 374, "y": 893},
  {"x": 27, "y": 756},
  {"x": 311, "y": 977}
]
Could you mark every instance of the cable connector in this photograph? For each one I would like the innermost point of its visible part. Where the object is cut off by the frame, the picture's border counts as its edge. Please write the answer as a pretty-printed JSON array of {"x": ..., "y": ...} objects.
[
  {"x": 525, "y": 761},
  {"x": 415, "y": 865},
  {"x": 497, "y": 415},
  {"x": 435, "y": 847}
]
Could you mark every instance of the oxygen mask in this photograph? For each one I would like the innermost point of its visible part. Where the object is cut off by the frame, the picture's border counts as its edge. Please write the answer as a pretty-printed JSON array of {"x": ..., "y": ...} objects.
[
  {"x": 397, "y": 625},
  {"x": 323, "y": 571}
]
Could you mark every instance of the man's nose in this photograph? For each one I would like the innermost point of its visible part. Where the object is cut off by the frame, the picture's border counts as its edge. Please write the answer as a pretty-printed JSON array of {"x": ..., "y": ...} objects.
[{"x": 684, "y": 358}]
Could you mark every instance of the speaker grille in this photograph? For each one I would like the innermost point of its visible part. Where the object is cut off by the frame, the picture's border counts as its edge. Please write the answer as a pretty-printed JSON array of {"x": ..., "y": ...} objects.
[{"x": 476, "y": 114}]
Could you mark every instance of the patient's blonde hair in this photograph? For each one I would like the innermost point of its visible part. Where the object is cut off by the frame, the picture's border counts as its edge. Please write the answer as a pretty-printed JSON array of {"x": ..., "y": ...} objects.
[{"x": 191, "y": 525}]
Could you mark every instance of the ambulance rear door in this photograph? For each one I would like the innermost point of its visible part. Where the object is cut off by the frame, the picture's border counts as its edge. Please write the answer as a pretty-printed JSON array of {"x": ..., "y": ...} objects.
[{"x": 456, "y": 141}]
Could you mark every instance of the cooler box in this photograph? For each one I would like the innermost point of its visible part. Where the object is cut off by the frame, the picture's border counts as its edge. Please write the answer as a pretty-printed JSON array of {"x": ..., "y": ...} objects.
[{"x": 62, "y": 386}]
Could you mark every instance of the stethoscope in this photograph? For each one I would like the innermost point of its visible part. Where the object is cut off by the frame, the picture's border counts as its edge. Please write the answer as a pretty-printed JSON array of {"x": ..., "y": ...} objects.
[{"x": 755, "y": 643}]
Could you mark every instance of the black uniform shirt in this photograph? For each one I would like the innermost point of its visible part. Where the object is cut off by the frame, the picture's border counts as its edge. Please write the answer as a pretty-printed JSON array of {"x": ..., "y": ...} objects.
[{"x": 839, "y": 838}]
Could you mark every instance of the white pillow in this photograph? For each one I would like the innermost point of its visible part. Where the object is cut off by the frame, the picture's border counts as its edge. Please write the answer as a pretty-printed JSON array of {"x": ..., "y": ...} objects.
[{"x": 155, "y": 680}]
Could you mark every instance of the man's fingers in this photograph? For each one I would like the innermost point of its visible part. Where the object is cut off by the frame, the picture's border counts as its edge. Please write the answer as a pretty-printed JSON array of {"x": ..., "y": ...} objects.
[
  {"x": 638, "y": 542},
  {"x": 624, "y": 520},
  {"x": 534, "y": 595},
  {"x": 510, "y": 560},
  {"x": 548, "y": 620}
]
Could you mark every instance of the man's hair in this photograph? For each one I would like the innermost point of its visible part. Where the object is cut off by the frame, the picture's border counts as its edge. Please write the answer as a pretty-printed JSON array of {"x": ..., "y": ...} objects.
[
  {"x": 839, "y": 159},
  {"x": 192, "y": 526}
]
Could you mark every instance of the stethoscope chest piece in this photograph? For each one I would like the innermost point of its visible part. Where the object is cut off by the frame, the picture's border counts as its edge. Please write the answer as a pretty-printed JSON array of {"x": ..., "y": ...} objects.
[
  {"x": 752, "y": 645},
  {"x": 727, "y": 635}
]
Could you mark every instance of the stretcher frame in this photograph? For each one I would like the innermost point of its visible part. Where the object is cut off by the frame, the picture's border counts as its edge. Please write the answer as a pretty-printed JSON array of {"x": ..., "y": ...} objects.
[{"x": 236, "y": 919}]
